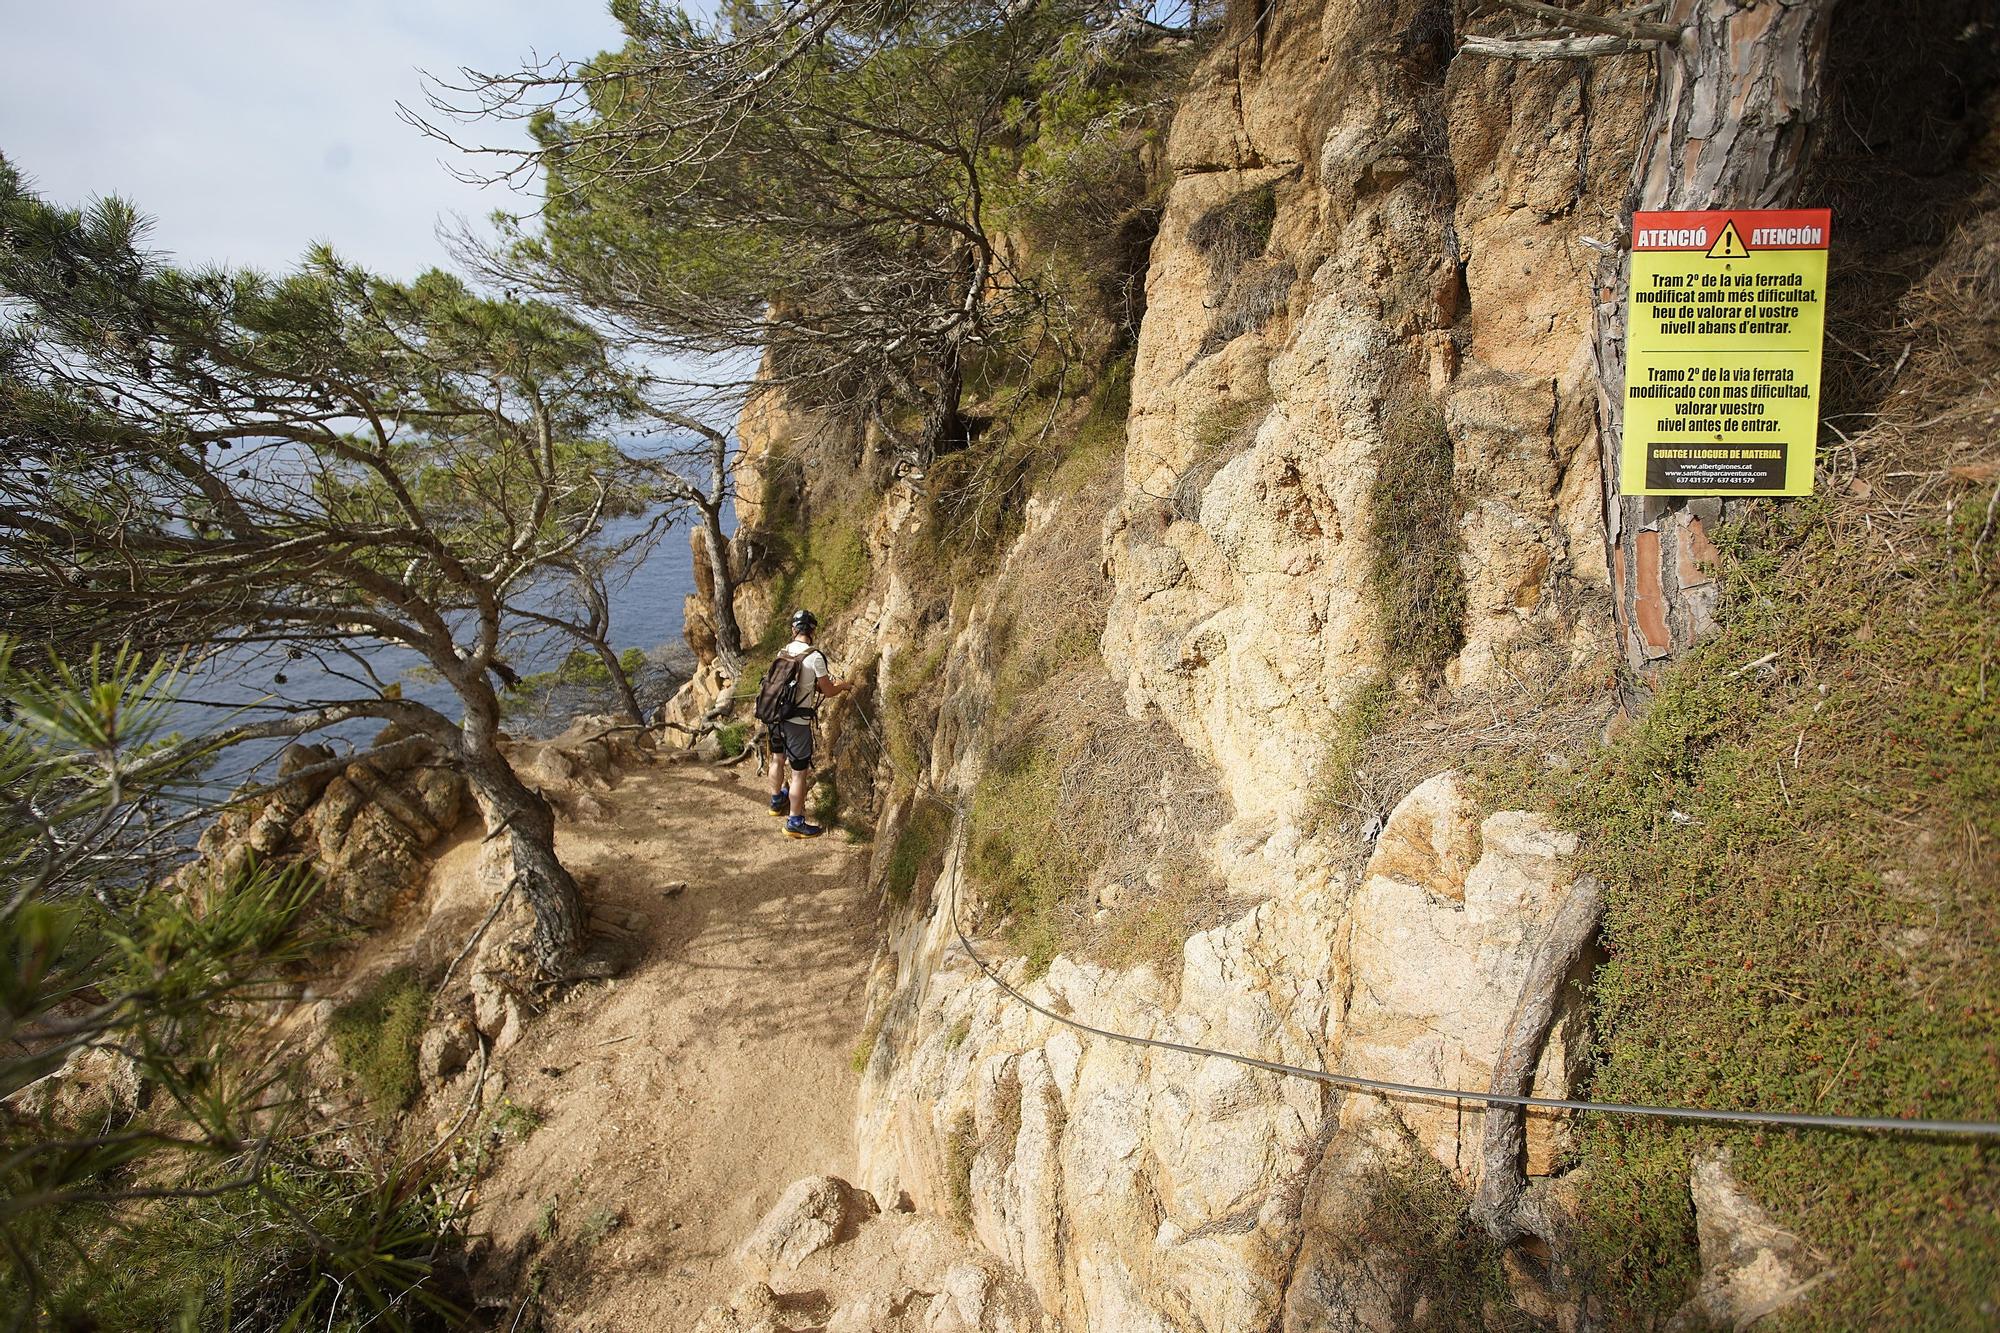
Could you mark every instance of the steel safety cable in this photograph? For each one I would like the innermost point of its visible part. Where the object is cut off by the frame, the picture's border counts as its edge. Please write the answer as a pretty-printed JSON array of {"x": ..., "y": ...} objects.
[{"x": 1798, "y": 1120}]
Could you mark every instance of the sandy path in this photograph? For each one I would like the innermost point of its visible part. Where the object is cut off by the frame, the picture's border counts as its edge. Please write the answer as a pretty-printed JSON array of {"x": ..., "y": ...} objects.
[{"x": 681, "y": 1098}]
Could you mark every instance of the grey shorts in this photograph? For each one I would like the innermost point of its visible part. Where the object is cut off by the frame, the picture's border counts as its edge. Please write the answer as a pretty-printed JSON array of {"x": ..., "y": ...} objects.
[{"x": 793, "y": 740}]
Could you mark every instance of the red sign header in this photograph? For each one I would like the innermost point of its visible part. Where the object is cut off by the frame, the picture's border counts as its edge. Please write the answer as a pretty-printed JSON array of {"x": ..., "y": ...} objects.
[{"x": 1732, "y": 233}]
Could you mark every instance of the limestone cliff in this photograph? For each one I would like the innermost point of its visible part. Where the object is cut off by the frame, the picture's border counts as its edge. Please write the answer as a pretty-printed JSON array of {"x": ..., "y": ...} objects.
[
  {"x": 1358, "y": 232},
  {"x": 1352, "y": 228}
]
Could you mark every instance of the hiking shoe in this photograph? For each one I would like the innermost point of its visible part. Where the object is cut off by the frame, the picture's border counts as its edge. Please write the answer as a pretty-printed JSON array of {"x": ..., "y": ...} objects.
[
  {"x": 797, "y": 827},
  {"x": 781, "y": 804}
]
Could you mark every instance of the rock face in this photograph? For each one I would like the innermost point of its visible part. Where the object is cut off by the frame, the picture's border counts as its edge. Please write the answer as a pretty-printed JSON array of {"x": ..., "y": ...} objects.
[
  {"x": 1750, "y": 1266},
  {"x": 1367, "y": 248},
  {"x": 1440, "y": 260},
  {"x": 368, "y": 828},
  {"x": 1147, "y": 1189},
  {"x": 1357, "y": 257}
]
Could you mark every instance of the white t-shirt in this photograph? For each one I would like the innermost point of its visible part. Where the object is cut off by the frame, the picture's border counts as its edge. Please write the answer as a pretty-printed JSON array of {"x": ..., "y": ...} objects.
[{"x": 812, "y": 666}]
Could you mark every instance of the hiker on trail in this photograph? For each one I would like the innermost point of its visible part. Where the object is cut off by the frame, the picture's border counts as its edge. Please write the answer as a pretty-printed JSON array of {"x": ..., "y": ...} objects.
[{"x": 788, "y": 706}]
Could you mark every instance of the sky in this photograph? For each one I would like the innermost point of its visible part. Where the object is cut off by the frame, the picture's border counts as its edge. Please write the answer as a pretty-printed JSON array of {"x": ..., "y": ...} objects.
[{"x": 249, "y": 129}]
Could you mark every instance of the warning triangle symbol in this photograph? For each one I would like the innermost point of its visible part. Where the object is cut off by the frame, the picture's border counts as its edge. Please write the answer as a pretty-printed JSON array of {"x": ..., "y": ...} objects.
[{"x": 1728, "y": 245}]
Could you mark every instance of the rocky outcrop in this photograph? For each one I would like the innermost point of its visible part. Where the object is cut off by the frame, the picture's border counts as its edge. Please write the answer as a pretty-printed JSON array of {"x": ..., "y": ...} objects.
[
  {"x": 367, "y": 827},
  {"x": 1750, "y": 1266},
  {"x": 826, "y": 1259},
  {"x": 1442, "y": 262},
  {"x": 1146, "y": 1189},
  {"x": 809, "y": 1216}
]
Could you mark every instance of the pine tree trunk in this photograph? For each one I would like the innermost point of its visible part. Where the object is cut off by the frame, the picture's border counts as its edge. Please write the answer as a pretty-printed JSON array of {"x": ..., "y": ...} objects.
[
  {"x": 1732, "y": 119},
  {"x": 530, "y": 824},
  {"x": 715, "y": 543},
  {"x": 943, "y": 426},
  {"x": 621, "y": 680}
]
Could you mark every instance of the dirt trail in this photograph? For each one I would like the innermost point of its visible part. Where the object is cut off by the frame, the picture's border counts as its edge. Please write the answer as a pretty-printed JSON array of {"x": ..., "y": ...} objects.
[{"x": 678, "y": 1101}]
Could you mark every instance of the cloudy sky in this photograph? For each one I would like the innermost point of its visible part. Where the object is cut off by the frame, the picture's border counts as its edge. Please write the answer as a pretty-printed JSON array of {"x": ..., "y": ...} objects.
[{"x": 250, "y": 128}]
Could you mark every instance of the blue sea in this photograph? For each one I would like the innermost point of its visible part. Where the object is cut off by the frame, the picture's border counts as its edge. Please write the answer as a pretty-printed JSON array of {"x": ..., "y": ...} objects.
[{"x": 243, "y": 686}]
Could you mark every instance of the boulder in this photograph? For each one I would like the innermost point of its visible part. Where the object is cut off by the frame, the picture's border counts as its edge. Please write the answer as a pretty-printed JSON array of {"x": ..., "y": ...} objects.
[
  {"x": 94, "y": 1084},
  {"x": 497, "y": 1010},
  {"x": 752, "y": 1309},
  {"x": 588, "y": 808},
  {"x": 1447, "y": 918},
  {"x": 370, "y": 866},
  {"x": 810, "y": 1215},
  {"x": 441, "y": 793},
  {"x": 1750, "y": 1266},
  {"x": 446, "y": 1049},
  {"x": 554, "y": 769},
  {"x": 298, "y": 757}
]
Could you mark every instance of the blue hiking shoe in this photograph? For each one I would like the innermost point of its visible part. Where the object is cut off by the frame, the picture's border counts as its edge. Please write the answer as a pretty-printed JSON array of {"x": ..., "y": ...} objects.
[
  {"x": 781, "y": 804},
  {"x": 797, "y": 827}
]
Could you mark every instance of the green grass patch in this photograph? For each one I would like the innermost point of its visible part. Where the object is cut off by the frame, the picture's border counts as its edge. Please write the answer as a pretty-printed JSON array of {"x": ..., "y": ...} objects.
[
  {"x": 1030, "y": 848},
  {"x": 1413, "y": 570},
  {"x": 825, "y": 801},
  {"x": 732, "y": 737},
  {"x": 918, "y": 856},
  {"x": 376, "y": 1035},
  {"x": 1340, "y": 793},
  {"x": 822, "y": 566},
  {"x": 1804, "y": 915},
  {"x": 909, "y": 706},
  {"x": 864, "y": 1046}
]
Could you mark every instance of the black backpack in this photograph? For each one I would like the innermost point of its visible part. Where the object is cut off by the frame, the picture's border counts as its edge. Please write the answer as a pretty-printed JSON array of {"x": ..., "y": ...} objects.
[{"x": 776, "y": 697}]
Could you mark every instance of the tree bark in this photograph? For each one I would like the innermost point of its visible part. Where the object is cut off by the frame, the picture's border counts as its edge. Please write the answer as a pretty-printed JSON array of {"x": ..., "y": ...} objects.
[
  {"x": 530, "y": 824},
  {"x": 1496, "y": 1205},
  {"x": 1733, "y": 115},
  {"x": 715, "y": 543},
  {"x": 621, "y": 680},
  {"x": 942, "y": 422}
]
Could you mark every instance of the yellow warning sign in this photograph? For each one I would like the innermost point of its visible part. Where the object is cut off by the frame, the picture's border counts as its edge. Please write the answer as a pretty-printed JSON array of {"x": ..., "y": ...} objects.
[
  {"x": 1725, "y": 317},
  {"x": 1728, "y": 245}
]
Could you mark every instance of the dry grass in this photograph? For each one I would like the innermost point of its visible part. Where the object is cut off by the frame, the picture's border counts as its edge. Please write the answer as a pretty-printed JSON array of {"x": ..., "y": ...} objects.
[
  {"x": 1077, "y": 798},
  {"x": 1076, "y": 795},
  {"x": 1260, "y": 292},
  {"x": 1414, "y": 571},
  {"x": 1234, "y": 232},
  {"x": 1247, "y": 285}
]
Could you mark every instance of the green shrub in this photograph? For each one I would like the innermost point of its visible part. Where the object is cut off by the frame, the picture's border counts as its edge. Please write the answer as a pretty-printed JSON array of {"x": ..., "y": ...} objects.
[
  {"x": 1803, "y": 914},
  {"x": 241, "y": 1259},
  {"x": 919, "y": 852},
  {"x": 376, "y": 1035},
  {"x": 1413, "y": 570},
  {"x": 732, "y": 737}
]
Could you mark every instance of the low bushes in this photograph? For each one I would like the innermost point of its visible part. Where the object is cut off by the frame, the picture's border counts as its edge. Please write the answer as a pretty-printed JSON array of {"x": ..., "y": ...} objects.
[{"x": 376, "y": 1035}]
